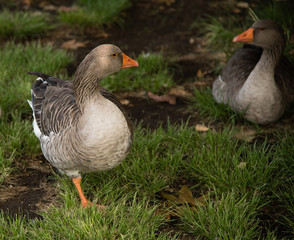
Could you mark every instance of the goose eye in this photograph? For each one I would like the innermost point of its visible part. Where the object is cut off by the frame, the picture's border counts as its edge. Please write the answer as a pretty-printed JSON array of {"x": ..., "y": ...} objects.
[
  {"x": 114, "y": 54},
  {"x": 261, "y": 28}
]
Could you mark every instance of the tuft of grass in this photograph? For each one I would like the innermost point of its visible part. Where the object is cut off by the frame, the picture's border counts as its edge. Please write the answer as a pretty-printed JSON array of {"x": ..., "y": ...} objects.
[
  {"x": 205, "y": 104},
  {"x": 153, "y": 74},
  {"x": 219, "y": 33},
  {"x": 22, "y": 25},
  {"x": 96, "y": 13},
  {"x": 228, "y": 216}
]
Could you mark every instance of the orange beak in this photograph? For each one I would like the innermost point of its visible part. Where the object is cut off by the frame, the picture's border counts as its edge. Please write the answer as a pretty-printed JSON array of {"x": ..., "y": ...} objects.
[
  {"x": 246, "y": 36},
  {"x": 128, "y": 62}
]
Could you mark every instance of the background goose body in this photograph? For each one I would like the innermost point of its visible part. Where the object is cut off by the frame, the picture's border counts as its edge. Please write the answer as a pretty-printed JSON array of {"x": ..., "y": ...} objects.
[
  {"x": 81, "y": 126},
  {"x": 258, "y": 80}
]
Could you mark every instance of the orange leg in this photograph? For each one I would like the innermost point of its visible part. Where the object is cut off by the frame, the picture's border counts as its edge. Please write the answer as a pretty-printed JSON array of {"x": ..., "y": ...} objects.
[
  {"x": 84, "y": 200},
  {"x": 77, "y": 182}
]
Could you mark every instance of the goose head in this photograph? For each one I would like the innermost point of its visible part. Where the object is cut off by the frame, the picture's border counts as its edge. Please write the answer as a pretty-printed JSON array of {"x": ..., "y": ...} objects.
[
  {"x": 263, "y": 33},
  {"x": 102, "y": 61}
]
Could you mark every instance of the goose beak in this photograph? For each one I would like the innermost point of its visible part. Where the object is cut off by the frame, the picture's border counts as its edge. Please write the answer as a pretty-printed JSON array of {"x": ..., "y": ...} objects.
[
  {"x": 246, "y": 36},
  {"x": 128, "y": 62}
]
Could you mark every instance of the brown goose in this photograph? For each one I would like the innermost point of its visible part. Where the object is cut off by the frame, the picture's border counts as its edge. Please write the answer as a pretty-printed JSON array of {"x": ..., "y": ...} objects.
[
  {"x": 258, "y": 79},
  {"x": 81, "y": 126}
]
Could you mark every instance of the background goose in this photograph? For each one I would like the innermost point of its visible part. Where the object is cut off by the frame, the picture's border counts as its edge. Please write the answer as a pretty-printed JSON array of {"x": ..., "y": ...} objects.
[
  {"x": 258, "y": 80},
  {"x": 81, "y": 126}
]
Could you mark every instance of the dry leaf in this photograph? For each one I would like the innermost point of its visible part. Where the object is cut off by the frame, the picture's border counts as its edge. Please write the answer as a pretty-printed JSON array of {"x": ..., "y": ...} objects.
[
  {"x": 246, "y": 134},
  {"x": 124, "y": 101},
  {"x": 242, "y": 165},
  {"x": 171, "y": 198},
  {"x": 202, "y": 200},
  {"x": 179, "y": 92},
  {"x": 185, "y": 195},
  {"x": 236, "y": 10},
  {"x": 27, "y": 2},
  {"x": 187, "y": 57},
  {"x": 73, "y": 44},
  {"x": 202, "y": 83},
  {"x": 201, "y": 128},
  {"x": 243, "y": 5},
  {"x": 199, "y": 73},
  {"x": 164, "y": 98}
]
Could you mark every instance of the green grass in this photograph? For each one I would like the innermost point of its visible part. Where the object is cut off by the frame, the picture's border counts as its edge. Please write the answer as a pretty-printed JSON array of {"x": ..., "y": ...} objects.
[
  {"x": 17, "y": 140},
  {"x": 206, "y": 106},
  {"x": 208, "y": 162},
  {"x": 227, "y": 217},
  {"x": 153, "y": 74},
  {"x": 22, "y": 25},
  {"x": 96, "y": 13}
]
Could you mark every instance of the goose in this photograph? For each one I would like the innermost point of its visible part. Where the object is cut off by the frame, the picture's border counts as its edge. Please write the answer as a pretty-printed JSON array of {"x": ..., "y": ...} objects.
[
  {"x": 81, "y": 126},
  {"x": 258, "y": 80}
]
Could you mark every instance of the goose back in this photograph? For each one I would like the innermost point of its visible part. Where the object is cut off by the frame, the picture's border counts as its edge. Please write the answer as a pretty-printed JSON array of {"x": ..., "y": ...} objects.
[{"x": 54, "y": 105}]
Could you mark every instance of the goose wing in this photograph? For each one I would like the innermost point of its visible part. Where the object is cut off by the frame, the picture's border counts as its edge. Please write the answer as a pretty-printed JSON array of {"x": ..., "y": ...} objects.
[{"x": 53, "y": 104}]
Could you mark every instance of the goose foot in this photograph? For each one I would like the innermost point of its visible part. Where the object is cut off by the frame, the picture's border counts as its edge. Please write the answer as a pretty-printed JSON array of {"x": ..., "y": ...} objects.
[{"x": 84, "y": 201}]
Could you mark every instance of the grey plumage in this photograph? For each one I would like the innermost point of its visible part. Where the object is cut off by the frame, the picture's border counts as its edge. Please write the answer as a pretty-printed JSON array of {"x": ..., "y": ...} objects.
[
  {"x": 258, "y": 77},
  {"x": 81, "y": 126}
]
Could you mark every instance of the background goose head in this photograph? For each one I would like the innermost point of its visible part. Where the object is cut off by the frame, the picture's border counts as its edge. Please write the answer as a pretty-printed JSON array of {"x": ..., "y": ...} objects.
[
  {"x": 263, "y": 33},
  {"x": 102, "y": 61}
]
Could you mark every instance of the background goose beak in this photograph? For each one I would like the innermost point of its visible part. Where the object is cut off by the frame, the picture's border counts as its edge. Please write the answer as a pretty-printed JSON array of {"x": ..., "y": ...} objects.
[
  {"x": 128, "y": 62},
  {"x": 246, "y": 36}
]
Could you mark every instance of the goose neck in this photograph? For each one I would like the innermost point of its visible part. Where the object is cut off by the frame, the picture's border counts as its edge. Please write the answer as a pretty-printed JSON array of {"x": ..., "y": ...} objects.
[
  {"x": 270, "y": 58},
  {"x": 86, "y": 87}
]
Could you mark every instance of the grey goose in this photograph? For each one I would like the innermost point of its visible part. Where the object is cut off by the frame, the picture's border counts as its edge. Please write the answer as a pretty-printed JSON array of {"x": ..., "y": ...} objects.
[
  {"x": 258, "y": 80},
  {"x": 80, "y": 125}
]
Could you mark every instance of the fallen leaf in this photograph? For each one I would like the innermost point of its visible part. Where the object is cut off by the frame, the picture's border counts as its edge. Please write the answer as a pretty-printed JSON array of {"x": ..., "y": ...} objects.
[
  {"x": 201, "y": 128},
  {"x": 171, "y": 198},
  {"x": 27, "y": 2},
  {"x": 242, "y": 165},
  {"x": 202, "y": 83},
  {"x": 179, "y": 92},
  {"x": 185, "y": 195},
  {"x": 187, "y": 57},
  {"x": 236, "y": 10},
  {"x": 73, "y": 44},
  {"x": 124, "y": 101},
  {"x": 202, "y": 200},
  {"x": 199, "y": 73},
  {"x": 191, "y": 40},
  {"x": 164, "y": 98},
  {"x": 243, "y": 5},
  {"x": 246, "y": 134}
]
